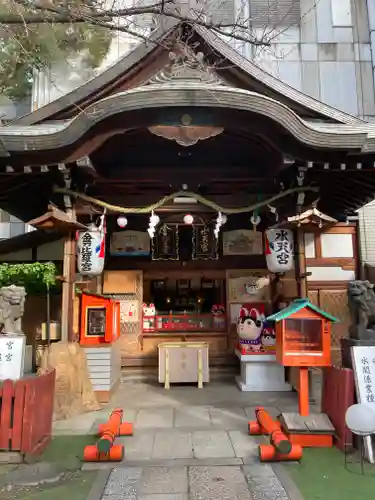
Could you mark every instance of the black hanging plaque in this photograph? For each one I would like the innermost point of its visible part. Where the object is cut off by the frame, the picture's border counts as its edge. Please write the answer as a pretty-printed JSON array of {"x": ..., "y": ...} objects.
[
  {"x": 165, "y": 243},
  {"x": 96, "y": 321},
  {"x": 204, "y": 243}
]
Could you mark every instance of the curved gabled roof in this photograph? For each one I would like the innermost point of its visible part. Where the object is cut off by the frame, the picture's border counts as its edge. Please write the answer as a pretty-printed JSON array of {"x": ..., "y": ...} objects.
[
  {"x": 47, "y": 136},
  {"x": 100, "y": 86}
]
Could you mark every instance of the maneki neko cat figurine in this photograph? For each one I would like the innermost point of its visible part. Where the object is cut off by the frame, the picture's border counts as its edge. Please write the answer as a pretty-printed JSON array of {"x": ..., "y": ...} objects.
[
  {"x": 148, "y": 313},
  {"x": 249, "y": 329}
]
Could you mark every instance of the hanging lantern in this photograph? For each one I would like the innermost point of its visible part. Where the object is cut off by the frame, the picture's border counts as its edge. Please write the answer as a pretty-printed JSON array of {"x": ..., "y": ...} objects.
[
  {"x": 279, "y": 250},
  {"x": 122, "y": 221},
  {"x": 91, "y": 251},
  {"x": 188, "y": 219}
]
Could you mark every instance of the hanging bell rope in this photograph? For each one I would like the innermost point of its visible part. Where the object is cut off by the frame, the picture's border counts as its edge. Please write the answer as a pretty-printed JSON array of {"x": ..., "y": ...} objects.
[{"x": 188, "y": 194}]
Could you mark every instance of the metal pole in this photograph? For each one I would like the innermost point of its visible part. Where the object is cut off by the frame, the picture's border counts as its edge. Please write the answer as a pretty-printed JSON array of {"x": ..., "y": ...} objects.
[{"x": 48, "y": 311}]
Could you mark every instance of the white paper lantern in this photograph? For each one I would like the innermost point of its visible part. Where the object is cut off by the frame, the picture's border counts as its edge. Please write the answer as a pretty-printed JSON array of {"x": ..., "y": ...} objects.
[
  {"x": 188, "y": 219},
  {"x": 91, "y": 252},
  {"x": 360, "y": 419},
  {"x": 122, "y": 221},
  {"x": 279, "y": 250}
]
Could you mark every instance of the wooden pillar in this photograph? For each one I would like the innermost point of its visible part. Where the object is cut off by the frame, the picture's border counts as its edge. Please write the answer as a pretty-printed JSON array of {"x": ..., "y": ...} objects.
[
  {"x": 303, "y": 392},
  {"x": 68, "y": 286},
  {"x": 301, "y": 264},
  {"x": 294, "y": 375}
]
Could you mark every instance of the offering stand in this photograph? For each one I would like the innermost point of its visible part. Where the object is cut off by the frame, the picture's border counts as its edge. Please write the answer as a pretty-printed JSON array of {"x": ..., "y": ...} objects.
[
  {"x": 99, "y": 332},
  {"x": 303, "y": 340}
]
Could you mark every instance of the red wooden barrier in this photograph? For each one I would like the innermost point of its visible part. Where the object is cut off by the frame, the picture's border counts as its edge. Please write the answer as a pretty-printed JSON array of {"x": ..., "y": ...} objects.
[
  {"x": 338, "y": 394},
  {"x": 26, "y": 412}
]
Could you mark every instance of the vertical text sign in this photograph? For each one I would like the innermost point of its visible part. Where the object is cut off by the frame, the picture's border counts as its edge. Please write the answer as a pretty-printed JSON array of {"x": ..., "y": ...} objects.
[
  {"x": 364, "y": 368},
  {"x": 12, "y": 355}
]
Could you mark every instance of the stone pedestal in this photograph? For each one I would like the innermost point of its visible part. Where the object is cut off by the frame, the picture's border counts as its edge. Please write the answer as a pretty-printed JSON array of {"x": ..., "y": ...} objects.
[
  {"x": 261, "y": 373},
  {"x": 346, "y": 344}
]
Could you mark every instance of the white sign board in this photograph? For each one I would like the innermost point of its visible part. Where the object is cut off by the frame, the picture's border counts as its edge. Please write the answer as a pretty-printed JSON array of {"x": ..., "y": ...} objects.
[
  {"x": 364, "y": 366},
  {"x": 12, "y": 356},
  {"x": 363, "y": 359}
]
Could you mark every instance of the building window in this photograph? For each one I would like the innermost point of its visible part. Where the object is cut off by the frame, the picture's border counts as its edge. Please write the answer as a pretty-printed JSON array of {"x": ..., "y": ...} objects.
[
  {"x": 17, "y": 228},
  {"x": 4, "y": 216},
  {"x": 4, "y": 230},
  {"x": 341, "y": 13},
  {"x": 273, "y": 13}
]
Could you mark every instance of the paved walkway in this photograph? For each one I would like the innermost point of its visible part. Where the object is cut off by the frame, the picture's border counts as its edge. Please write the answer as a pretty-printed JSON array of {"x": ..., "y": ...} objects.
[
  {"x": 252, "y": 482},
  {"x": 188, "y": 444}
]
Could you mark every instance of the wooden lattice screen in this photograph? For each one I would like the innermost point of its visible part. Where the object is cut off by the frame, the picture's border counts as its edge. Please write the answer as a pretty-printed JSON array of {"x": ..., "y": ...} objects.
[{"x": 334, "y": 302}]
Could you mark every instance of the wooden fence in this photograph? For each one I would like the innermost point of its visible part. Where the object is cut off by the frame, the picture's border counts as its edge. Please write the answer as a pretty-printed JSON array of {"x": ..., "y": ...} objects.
[
  {"x": 338, "y": 394},
  {"x": 26, "y": 412}
]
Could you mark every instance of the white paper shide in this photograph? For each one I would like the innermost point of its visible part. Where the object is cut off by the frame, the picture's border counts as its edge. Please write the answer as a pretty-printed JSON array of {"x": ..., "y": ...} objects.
[{"x": 12, "y": 356}]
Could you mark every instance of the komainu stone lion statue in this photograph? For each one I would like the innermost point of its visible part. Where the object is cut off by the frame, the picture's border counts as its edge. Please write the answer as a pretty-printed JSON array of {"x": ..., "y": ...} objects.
[
  {"x": 12, "y": 306},
  {"x": 361, "y": 301}
]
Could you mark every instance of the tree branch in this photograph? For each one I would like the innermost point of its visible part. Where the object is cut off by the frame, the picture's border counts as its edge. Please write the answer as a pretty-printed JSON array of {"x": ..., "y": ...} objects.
[{"x": 56, "y": 15}]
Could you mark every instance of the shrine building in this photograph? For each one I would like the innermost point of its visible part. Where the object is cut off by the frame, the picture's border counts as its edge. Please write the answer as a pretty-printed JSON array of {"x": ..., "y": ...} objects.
[{"x": 196, "y": 186}]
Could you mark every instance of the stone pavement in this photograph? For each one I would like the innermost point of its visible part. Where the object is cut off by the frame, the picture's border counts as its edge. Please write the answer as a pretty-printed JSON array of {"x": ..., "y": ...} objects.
[
  {"x": 252, "y": 482},
  {"x": 150, "y": 406},
  {"x": 188, "y": 444}
]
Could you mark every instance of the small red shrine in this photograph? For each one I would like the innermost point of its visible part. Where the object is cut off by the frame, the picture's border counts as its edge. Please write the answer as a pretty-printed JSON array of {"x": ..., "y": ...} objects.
[
  {"x": 303, "y": 339},
  {"x": 99, "y": 334},
  {"x": 303, "y": 335},
  {"x": 100, "y": 320}
]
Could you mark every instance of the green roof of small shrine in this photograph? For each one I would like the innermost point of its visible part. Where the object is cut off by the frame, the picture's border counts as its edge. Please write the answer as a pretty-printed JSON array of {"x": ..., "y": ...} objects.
[{"x": 296, "y": 306}]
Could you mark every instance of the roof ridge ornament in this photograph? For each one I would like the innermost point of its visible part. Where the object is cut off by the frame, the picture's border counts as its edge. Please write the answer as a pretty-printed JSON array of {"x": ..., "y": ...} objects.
[{"x": 186, "y": 66}]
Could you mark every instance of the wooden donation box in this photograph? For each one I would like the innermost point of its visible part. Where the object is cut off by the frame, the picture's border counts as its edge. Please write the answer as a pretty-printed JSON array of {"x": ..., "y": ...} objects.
[
  {"x": 183, "y": 362},
  {"x": 99, "y": 332},
  {"x": 303, "y": 340}
]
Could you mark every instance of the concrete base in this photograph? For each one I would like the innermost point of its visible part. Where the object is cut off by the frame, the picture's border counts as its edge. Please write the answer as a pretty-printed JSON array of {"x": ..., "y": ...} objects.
[{"x": 261, "y": 373}]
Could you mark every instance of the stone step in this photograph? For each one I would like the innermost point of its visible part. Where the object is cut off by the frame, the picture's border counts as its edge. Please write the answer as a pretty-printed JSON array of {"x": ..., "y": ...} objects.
[{"x": 150, "y": 374}]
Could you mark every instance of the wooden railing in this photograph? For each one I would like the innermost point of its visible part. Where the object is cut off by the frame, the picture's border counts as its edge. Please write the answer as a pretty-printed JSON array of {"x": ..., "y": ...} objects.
[
  {"x": 26, "y": 411},
  {"x": 183, "y": 323}
]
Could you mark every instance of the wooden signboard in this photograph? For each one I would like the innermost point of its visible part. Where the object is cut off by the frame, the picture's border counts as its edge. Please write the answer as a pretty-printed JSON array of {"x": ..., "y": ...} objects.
[
  {"x": 204, "y": 243},
  {"x": 249, "y": 289},
  {"x": 363, "y": 360},
  {"x": 12, "y": 356},
  {"x": 165, "y": 244},
  {"x": 130, "y": 244},
  {"x": 242, "y": 242}
]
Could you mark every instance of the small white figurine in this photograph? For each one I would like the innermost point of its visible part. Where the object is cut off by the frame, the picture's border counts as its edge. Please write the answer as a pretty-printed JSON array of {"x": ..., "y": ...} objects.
[{"x": 149, "y": 313}]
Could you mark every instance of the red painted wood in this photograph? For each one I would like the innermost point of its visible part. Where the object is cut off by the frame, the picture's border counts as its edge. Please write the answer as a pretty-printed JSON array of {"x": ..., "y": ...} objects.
[
  {"x": 26, "y": 413},
  {"x": 6, "y": 414},
  {"x": 30, "y": 415},
  {"x": 338, "y": 395},
  {"x": 38, "y": 413},
  {"x": 183, "y": 322},
  {"x": 18, "y": 408}
]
